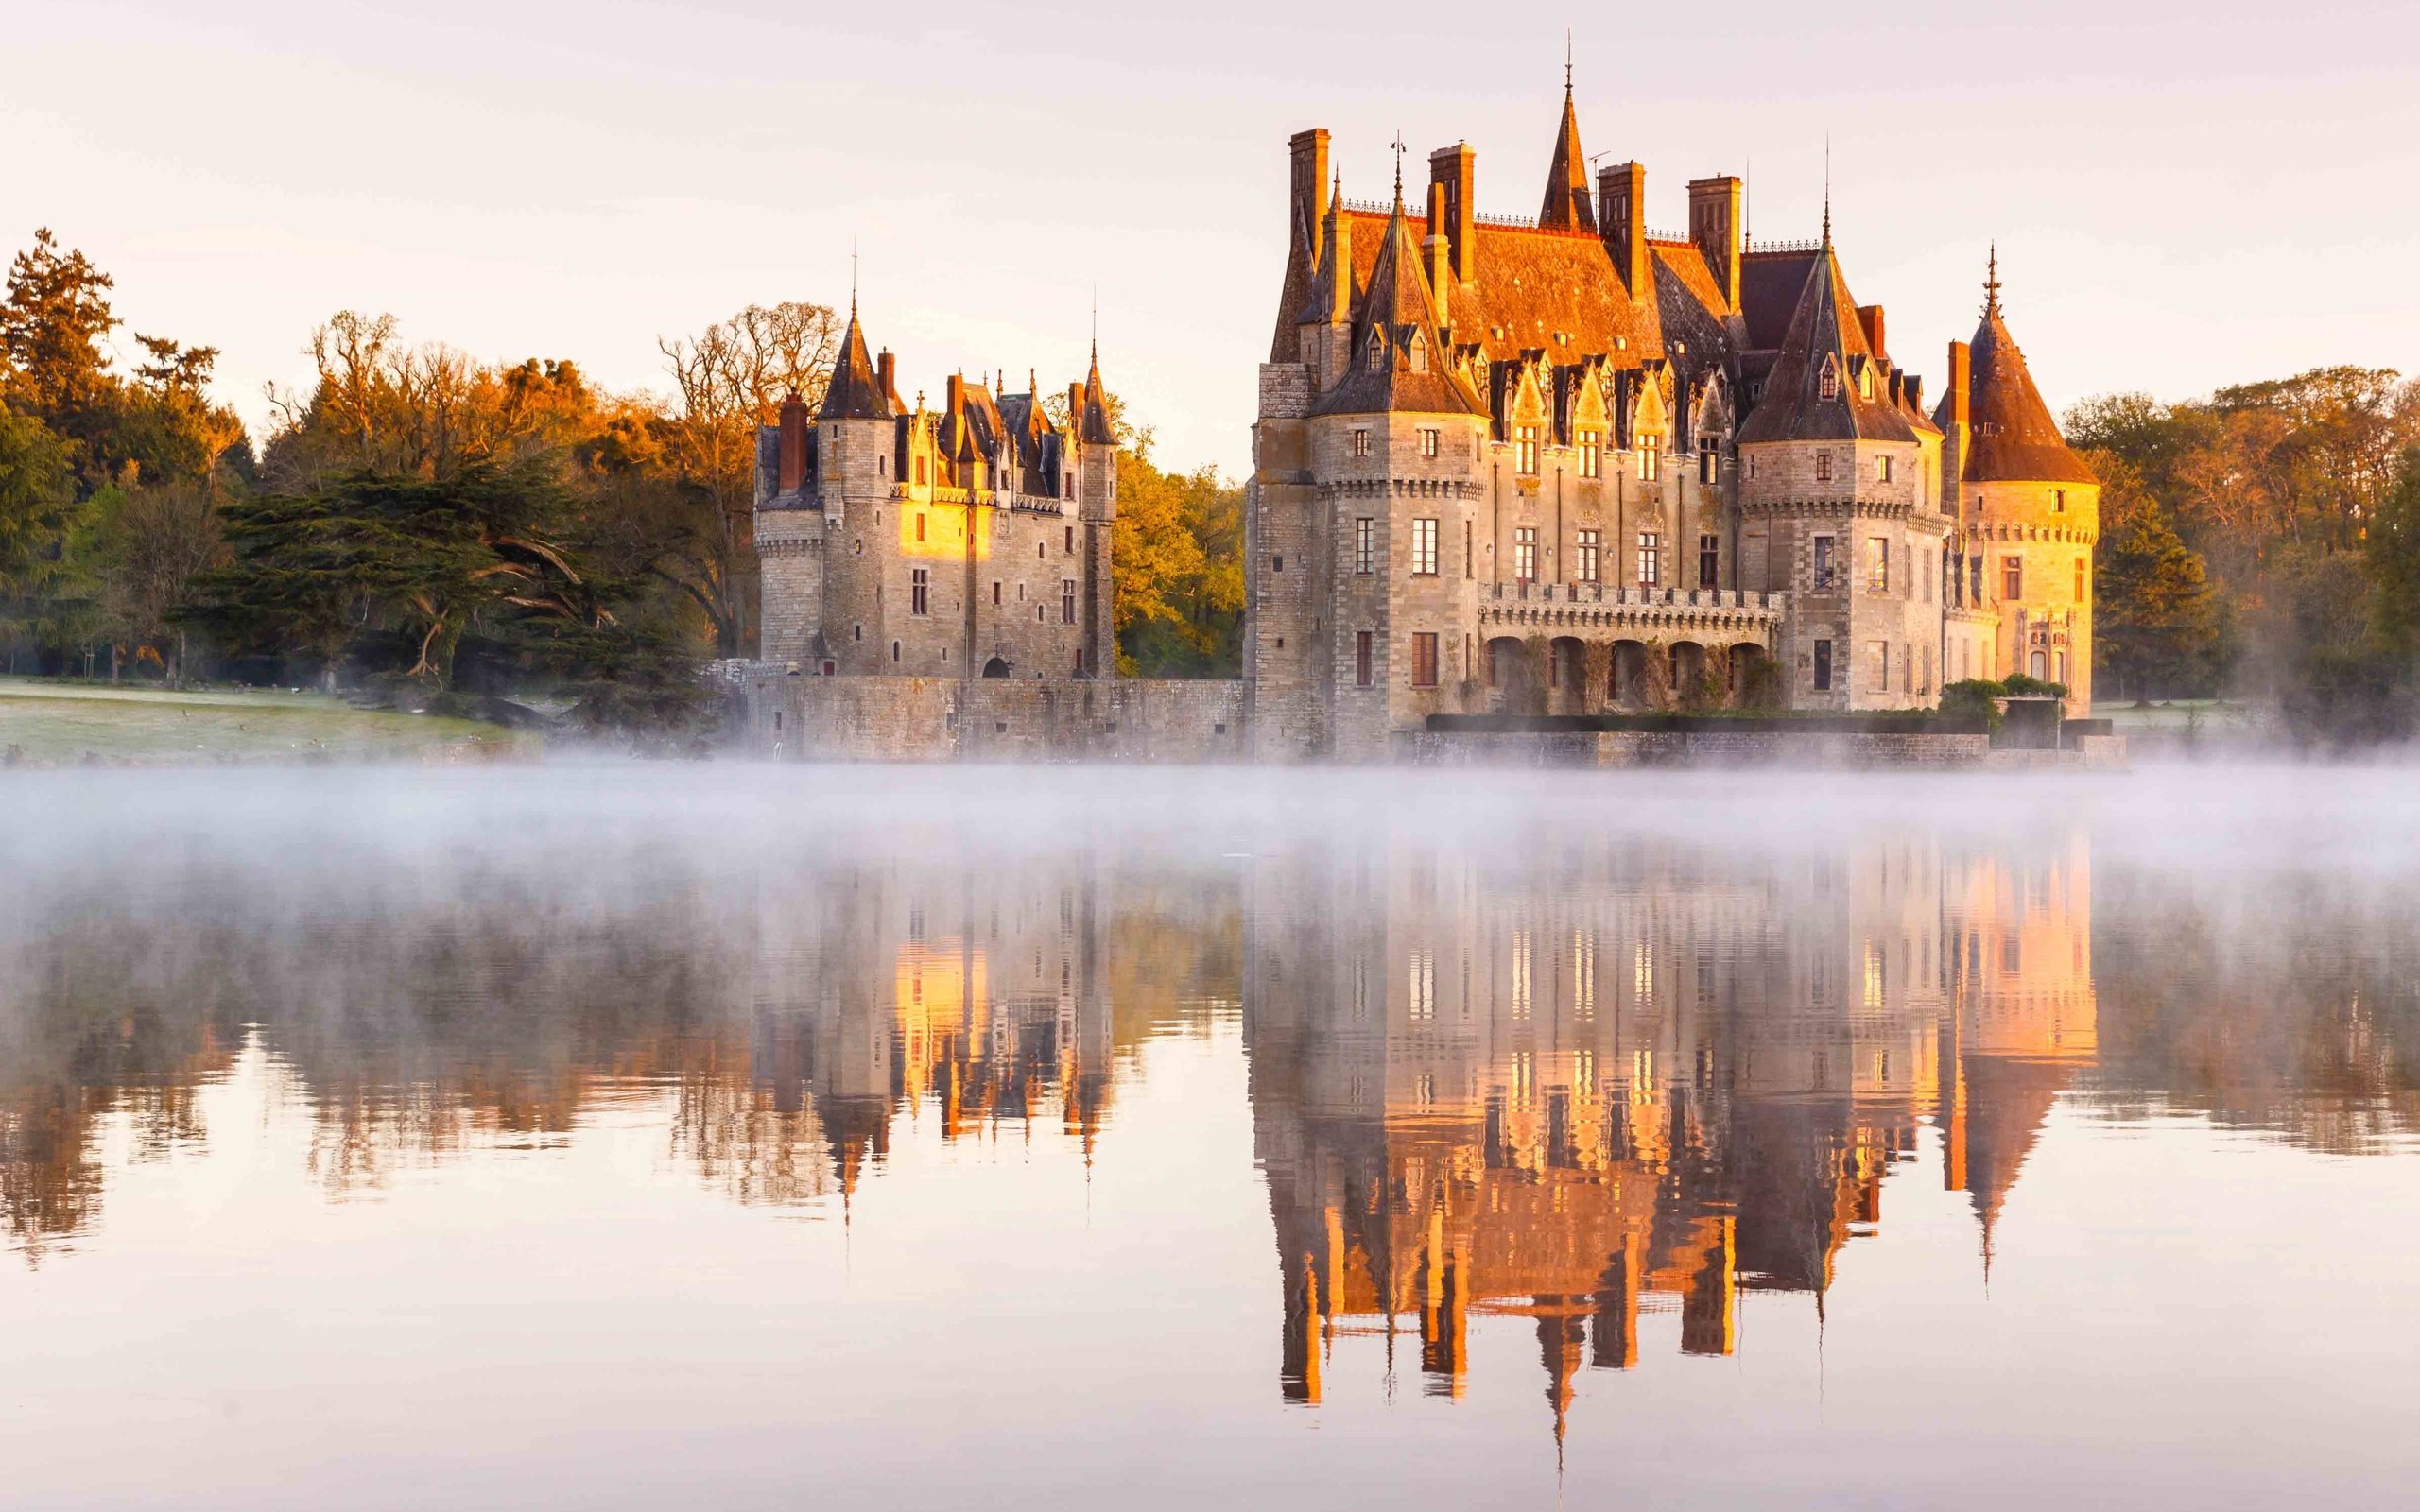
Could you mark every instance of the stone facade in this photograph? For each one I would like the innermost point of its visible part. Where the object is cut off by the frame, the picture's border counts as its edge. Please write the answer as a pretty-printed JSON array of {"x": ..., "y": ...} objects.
[
  {"x": 786, "y": 715},
  {"x": 1571, "y": 465}
]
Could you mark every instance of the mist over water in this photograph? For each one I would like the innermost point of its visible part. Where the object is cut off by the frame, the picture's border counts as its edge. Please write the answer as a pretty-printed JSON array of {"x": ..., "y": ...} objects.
[{"x": 609, "y": 1135}]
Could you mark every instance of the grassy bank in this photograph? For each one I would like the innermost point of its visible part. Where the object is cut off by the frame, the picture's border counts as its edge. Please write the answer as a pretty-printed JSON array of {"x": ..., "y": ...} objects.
[{"x": 50, "y": 722}]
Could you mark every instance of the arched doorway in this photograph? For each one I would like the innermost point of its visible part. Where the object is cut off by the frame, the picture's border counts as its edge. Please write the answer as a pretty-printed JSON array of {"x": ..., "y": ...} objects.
[
  {"x": 1512, "y": 683},
  {"x": 1627, "y": 686},
  {"x": 1688, "y": 675},
  {"x": 1567, "y": 675},
  {"x": 996, "y": 668}
]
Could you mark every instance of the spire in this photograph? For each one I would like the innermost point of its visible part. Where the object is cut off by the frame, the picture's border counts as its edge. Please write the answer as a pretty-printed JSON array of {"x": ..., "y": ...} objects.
[
  {"x": 1991, "y": 282},
  {"x": 2014, "y": 438},
  {"x": 855, "y": 391},
  {"x": 1800, "y": 403},
  {"x": 1567, "y": 206},
  {"x": 1093, "y": 427},
  {"x": 1399, "y": 151},
  {"x": 1827, "y": 191}
]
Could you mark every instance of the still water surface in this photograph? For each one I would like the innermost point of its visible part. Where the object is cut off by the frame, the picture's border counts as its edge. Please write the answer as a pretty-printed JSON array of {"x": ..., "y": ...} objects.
[{"x": 624, "y": 1138}]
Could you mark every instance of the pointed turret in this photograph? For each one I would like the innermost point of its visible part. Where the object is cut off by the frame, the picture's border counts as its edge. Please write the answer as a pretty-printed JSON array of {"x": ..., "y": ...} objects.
[
  {"x": 1566, "y": 206},
  {"x": 1828, "y": 382},
  {"x": 2012, "y": 437},
  {"x": 1397, "y": 360},
  {"x": 856, "y": 391},
  {"x": 1094, "y": 428},
  {"x": 1333, "y": 290}
]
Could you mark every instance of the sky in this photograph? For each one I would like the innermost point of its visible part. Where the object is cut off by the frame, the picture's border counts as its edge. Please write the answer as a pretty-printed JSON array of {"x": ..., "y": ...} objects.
[{"x": 2184, "y": 194}]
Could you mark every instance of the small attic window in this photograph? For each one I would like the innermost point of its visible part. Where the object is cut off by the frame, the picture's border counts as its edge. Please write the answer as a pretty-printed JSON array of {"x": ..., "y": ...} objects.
[
  {"x": 1377, "y": 350},
  {"x": 1419, "y": 352},
  {"x": 1865, "y": 381},
  {"x": 1829, "y": 384}
]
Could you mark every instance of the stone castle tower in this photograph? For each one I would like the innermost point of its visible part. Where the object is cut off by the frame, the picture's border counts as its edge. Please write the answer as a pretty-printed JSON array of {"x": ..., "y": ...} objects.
[
  {"x": 968, "y": 541},
  {"x": 1572, "y": 465}
]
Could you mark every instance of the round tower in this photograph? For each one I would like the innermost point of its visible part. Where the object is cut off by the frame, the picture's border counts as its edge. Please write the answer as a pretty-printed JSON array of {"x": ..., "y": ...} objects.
[{"x": 2028, "y": 513}]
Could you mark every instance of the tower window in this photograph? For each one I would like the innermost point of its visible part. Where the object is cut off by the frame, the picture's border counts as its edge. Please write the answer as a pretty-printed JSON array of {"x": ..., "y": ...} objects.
[
  {"x": 1650, "y": 559},
  {"x": 1071, "y": 541},
  {"x": 1878, "y": 567},
  {"x": 1590, "y": 455},
  {"x": 1882, "y": 469},
  {"x": 1585, "y": 569},
  {"x": 1361, "y": 442},
  {"x": 1709, "y": 561},
  {"x": 1428, "y": 436},
  {"x": 2059, "y": 500},
  {"x": 1651, "y": 457},
  {"x": 1822, "y": 666},
  {"x": 920, "y": 524},
  {"x": 1365, "y": 544},
  {"x": 1829, "y": 384},
  {"x": 1524, "y": 449},
  {"x": 2079, "y": 583},
  {"x": 1423, "y": 658},
  {"x": 2012, "y": 577},
  {"x": 919, "y": 592},
  {"x": 1822, "y": 466},
  {"x": 1525, "y": 555},
  {"x": 1823, "y": 566},
  {"x": 1424, "y": 548},
  {"x": 1066, "y": 601},
  {"x": 1363, "y": 659}
]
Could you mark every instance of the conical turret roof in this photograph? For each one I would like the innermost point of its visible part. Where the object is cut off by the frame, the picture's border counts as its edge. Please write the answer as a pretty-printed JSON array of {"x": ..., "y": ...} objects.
[
  {"x": 2012, "y": 437},
  {"x": 1399, "y": 363},
  {"x": 1824, "y": 336},
  {"x": 1093, "y": 427},
  {"x": 854, "y": 392},
  {"x": 1567, "y": 206}
]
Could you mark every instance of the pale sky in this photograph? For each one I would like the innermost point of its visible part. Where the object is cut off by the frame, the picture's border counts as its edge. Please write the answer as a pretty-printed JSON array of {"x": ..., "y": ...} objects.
[{"x": 2185, "y": 194}]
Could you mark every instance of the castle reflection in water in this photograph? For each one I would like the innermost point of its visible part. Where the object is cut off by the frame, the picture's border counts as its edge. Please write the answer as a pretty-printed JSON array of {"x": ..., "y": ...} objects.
[{"x": 1572, "y": 1081}]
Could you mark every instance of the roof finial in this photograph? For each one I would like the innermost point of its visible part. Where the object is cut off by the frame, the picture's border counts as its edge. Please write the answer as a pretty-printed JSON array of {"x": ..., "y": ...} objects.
[
  {"x": 1096, "y": 322},
  {"x": 1566, "y": 66},
  {"x": 1748, "y": 208},
  {"x": 853, "y": 278},
  {"x": 1399, "y": 152},
  {"x": 1827, "y": 191},
  {"x": 1992, "y": 282}
]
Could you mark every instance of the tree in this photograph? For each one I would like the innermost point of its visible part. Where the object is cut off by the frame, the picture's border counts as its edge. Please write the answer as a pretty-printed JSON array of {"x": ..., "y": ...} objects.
[
  {"x": 730, "y": 379},
  {"x": 52, "y": 322},
  {"x": 2392, "y": 554},
  {"x": 152, "y": 547},
  {"x": 2154, "y": 619}
]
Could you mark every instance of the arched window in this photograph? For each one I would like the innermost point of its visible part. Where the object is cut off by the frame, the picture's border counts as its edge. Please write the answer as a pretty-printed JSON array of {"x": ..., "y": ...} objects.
[{"x": 1419, "y": 352}]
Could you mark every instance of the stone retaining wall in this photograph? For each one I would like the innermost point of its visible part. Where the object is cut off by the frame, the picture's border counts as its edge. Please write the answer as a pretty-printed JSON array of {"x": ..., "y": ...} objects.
[
  {"x": 1690, "y": 749},
  {"x": 1033, "y": 719}
]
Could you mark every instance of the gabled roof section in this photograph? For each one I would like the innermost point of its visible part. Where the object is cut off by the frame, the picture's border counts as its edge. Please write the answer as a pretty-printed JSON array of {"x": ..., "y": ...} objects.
[
  {"x": 1824, "y": 336},
  {"x": 854, "y": 392},
  {"x": 1550, "y": 290},
  {"x": 1093, "y": 427},
  {"x": 1567, "y": 206},
  {"x": 1399, "y": 361},
  {"x": 2011, "y": 438}
]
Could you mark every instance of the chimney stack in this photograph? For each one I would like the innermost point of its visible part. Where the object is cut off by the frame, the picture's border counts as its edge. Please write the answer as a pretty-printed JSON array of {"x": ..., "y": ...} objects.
[
  {"x": 794, "y": 423},
  {"x": 1621, "y": 211},
  {"x": 1715, "y": 226},
  {"x": 1440, "y": 255},
  {"x": 1455, "y": 170},
  {"x": 1962, "y": 381},
  {"x": 1306, "y": 203},
  {"x": 887, "y": 369},
  {"x": 1869, "y": 319}
]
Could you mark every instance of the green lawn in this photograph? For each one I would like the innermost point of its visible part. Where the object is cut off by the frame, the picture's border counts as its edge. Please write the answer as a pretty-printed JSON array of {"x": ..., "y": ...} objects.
[{"x": 49, "y": 722}]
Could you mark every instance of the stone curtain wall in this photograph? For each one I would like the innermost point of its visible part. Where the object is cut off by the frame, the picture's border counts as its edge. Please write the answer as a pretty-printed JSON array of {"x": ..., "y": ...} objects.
[
  {"x": 1689, "y": 748},
  {"x": 1034, "y": 720}
]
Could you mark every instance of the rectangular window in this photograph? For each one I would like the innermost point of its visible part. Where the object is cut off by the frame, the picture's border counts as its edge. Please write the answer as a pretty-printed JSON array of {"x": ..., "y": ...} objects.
[
  {"x": 1524, "y": 449},
  {"x": 1822, "y": 666},
  {"x": 1928, "y": 580},
  {"x": 1925, "y": 686},
  {"x": 1650, "y": 559},
  {"x": 2079, "y": 571},
  {"x": 995, "y": 592},
  {"x": 918, "y": 589},
  {"x": 1585, "y": 570},
  {"x": 1470, "y": 561},
  {"x": 1365, "y": 545},
  {"x": 1071, "y": 541},
  {"x": 1709, "y": 561},
  {"x": 1709, "y": 463},
  {"x": 1423, "y": 658},
  {"x": 1975, "y": 572},
  {"x": 1362, "y": 657},
  {"x": 1429, "y": 441},
  {"x": 1877, "y": 661},
  {"x": 920, "y": 525},
  {"x": 1525, "y": 555},
  {"x": 1424, "y": 548},
  {"x": 1361, "y": 444},
  {"x": 1882, "y": 469},
  {"x": 1590, "y": 455},
  {"x": 1877, "y": 566},
  {"x": 1066, "y": 601},
  {"x": 919, "y": 472},
  {"x": 1822, "y": 564},
  {"x": 1822, "y": 466},
  {"x": 1651, "y": 457},
  {"x": 2058, "y": 501},
  {"x": 2012, "y": 577}
]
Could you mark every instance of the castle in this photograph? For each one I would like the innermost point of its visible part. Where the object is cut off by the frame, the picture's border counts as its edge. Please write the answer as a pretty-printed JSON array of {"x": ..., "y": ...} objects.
[
  {"x": 1501, "y": 466},
  {"x": 1570, "y": 465},
  {"x": 972, "y": 540}
]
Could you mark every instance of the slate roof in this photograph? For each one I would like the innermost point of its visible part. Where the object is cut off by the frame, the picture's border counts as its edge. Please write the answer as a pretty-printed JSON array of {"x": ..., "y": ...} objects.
[
  {"x": 1398, "y": 305},
  {"x": 854, "y": 392},
  {"x": 1825, "y": 334},
  {"x": 1555, "y": 291},
  {"x": 2011, "y": 437},
  {"x": 1093, "y": 429},
  {"x": 1567, "y": 206}
]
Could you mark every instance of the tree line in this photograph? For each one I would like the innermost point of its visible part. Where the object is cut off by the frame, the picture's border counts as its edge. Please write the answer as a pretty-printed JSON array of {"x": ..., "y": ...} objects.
[
  {"x": 427, "y": 524},
  {"x": 2263, "y": 543}
]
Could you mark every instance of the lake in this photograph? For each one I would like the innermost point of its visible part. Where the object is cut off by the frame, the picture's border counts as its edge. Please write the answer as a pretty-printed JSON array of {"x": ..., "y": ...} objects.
[{"x": 730, "y": 1136}]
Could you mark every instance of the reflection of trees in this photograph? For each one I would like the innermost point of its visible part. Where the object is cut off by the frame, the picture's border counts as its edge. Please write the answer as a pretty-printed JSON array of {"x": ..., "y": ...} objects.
[{"x": 2290, "y": 1012}]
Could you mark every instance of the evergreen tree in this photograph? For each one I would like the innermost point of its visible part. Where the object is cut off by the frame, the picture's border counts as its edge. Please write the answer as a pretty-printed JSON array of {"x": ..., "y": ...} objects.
[{"x": 2154, "y": 618}]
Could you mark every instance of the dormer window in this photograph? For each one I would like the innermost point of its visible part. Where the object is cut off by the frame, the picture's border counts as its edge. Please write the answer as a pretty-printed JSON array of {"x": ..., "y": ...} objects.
[
  {"x": 1829, "y": 384},
  {"x": 1377, "y": 350},
  {"x": 1419, "y": 352},
  {"x": 1865, "y": 380}
]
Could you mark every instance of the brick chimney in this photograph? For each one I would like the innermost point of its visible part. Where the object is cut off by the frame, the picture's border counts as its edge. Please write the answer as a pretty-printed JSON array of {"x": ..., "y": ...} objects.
[
  {"x": 886, "y": 370},
  {"x": 1455, "y": 170},
  {"x": 794, "y": 423},
  {"x": 1306, "y": 203},
  {"x": 1441, "y": 256},
  {"x": 1869, "y": 320},
  {"x": 1621, "y": 219}
]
